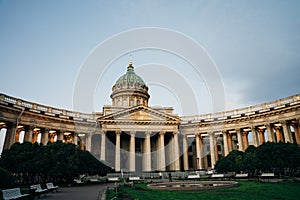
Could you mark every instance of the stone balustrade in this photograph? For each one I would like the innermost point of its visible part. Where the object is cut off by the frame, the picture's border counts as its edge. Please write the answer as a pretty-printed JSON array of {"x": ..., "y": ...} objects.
[{"x": 251, "y": 110}]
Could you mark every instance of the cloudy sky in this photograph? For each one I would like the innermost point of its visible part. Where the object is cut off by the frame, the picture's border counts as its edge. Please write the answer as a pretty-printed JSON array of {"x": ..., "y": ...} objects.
[{"x": 254, "y": 46}]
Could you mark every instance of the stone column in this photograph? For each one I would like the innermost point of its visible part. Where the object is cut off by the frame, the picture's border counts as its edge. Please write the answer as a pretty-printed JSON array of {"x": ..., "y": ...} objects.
[
  {"x": 28, "y": 133},
  {"x": 212, "y": 150},
  {"x": 240, "y": 140},
  {"x": 296, "y": 131},
  {"x": 254, "y": 137},
  {"x": 225, "y": 142},
  {"x": 185, "y": 153},
  {"x": 245, "y": 139},
  {"x": 261, "y": 135},
  {"x": 103, "y": 144},
  {"x": 176, "y": 152},
  {"x": 147, "y": 153},
  {"x": 171, "y": 153},
  {"x": 162, "y": 159},
  {"x": 132, "y": 152},
  {"x": 45, "y": 136},
  {"x": 278, "y": 134},
  {"x": 75, "y": 139},
  {"x": 230, "y": 145},
  {"x": 270, "y": 133},
  {"x": 286, "y": 132},
  {"x": 35, "y": 136},
  {"x": 60, "y": 135},
  {"x": 51, "y": 137},
  {"x": 216, "y": 148},
  {"x": 82, "y": 145},
  {"x": 88, "y": 142},
  {"x": 201, "y": 153},
  {"x": 198, "y": 157},
  {"x": 10, "y": 135},
  {"x": 17, "y": 136},
  {"x": 118, "y": 152}
]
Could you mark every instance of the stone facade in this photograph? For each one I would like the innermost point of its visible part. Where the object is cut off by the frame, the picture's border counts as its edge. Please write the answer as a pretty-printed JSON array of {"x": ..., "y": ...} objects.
[{"x": 131, "y": 136}]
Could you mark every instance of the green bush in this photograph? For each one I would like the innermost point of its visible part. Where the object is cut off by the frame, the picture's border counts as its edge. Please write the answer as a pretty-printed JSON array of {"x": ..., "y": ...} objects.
[{"x": 6, "y": 180}]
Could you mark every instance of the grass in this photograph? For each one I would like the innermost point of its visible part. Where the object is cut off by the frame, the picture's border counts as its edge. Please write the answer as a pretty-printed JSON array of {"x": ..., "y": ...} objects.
[{"x": 246, "y": 190}]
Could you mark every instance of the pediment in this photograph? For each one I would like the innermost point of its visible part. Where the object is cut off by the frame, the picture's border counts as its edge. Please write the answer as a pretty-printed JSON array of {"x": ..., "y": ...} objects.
[{"x": 140, "y": 114}]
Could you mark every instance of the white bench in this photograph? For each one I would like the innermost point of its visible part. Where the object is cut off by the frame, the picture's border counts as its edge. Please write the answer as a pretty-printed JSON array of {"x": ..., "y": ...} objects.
[
  {"x": 38, "y": 189},
  {"x": 134, "y": 178},
  {"x": 14, "y": 193},
  {"x": 267, "y": 175},
  {"x": 51, "y": 187},
  {"x": 241, "y": 176},
  {"x": 193, "y": 176},
  {"x": 217, "y": 175},
  {"x": 114, "y": 179}
]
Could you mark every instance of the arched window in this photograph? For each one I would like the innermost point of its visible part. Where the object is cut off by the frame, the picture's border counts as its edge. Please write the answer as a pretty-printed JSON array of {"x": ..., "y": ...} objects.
[
  {"x": 125, "y": 102},
  {"x": 131, "y": 102},
  {"x": 138, "y": 102}
]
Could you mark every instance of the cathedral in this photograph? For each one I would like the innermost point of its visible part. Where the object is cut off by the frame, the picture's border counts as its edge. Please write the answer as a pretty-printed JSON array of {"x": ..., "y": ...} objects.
[{"x": 131, "y": 136}]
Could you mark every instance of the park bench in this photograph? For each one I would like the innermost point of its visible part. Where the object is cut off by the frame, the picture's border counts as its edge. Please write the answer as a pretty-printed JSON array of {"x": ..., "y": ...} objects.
[
  {"x": 38, "y": 189},
  {"x": 266, "y": 177},
  {"x": 113, "y": 179},
  {"x": 14, "y": 193},
  {"x": 51, "y": 187},
  {"x": 241, "y": 175},
  {"x": 217, "y": 176},
  {"x": 193, "y": 176},
  {"x": 134, "y": 178}
]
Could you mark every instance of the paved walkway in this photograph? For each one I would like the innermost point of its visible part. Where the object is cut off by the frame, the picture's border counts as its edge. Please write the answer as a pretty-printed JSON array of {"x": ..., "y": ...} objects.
[{"x": 84, "y": 192}]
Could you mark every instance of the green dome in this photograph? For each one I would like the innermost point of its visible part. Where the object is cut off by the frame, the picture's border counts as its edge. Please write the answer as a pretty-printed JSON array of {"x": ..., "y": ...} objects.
[{"x": 130, "y": 77}]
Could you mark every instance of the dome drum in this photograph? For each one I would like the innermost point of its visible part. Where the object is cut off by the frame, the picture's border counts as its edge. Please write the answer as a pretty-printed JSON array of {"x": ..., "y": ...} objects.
[{"x": 130, "y": 90}]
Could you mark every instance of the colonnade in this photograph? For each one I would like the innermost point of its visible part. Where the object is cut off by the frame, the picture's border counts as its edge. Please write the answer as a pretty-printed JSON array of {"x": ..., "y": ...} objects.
[
  {"x": 157, "y": 150},
  {"x": 273, "y": 132},
  {"x": 31, "y": 134}
]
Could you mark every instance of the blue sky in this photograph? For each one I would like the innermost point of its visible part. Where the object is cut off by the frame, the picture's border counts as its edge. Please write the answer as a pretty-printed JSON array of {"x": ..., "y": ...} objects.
[{"x": 254, "y": 44}]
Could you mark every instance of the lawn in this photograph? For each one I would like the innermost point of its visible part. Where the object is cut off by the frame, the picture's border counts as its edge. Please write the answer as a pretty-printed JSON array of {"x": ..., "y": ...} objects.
[{"x": 246, "y": 190}]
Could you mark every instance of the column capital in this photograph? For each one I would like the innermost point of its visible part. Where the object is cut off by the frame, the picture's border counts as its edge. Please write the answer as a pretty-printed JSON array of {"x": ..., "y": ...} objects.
[
  {"x": 283, "y": 122},
  {"x": 197, "y": 134},
  {"x": 245, "y": 132},
  {"x": 224, "y": 132},
  {"x": 295, "y": 124},
  {"x": 162, "y": 132},
  {"x": 260, "y": 130},
  {"x": 103, "y": 131},
  {"x": 211, "y": 134},
  {"x": 268, "y": 125},
  {"x": 175, "y": 132},
  {"x": 29, "y": 127},
  {"x": 277, "y": 127},
  {"x": 118, "y": 132},
  {"x": 45, "y": 130},
  {"x": 147, "y": 133},
  {"x": 238, "y": 130}
]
